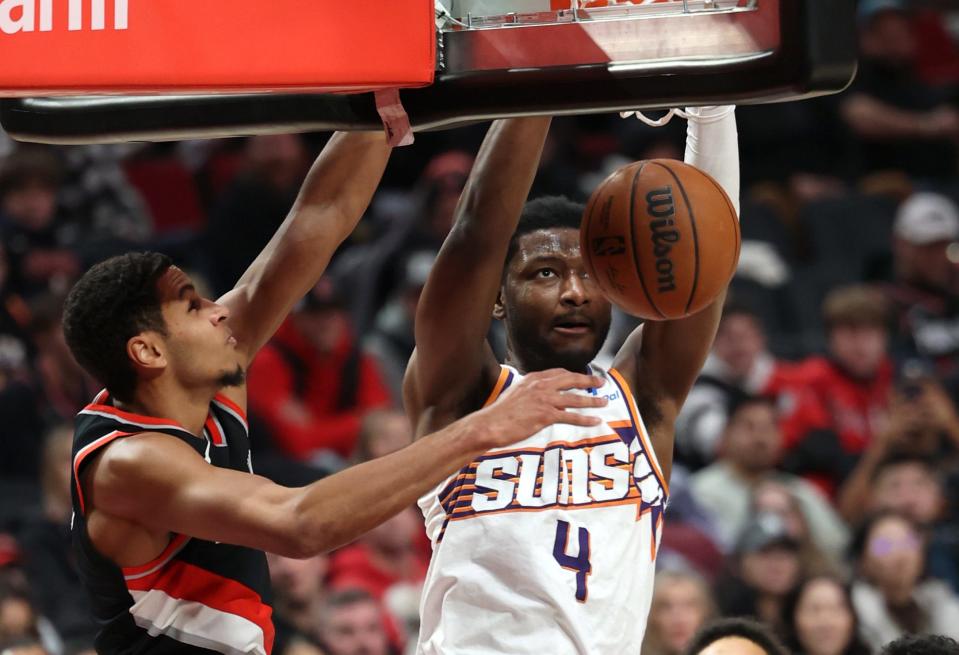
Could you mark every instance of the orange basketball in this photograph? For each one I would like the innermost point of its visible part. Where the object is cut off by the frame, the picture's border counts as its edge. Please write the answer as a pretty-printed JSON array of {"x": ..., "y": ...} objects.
[{"x": 661, "y": 239}]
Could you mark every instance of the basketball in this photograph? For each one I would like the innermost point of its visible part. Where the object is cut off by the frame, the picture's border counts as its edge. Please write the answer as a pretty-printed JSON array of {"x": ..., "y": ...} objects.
[{"x": 661, "y": 238}]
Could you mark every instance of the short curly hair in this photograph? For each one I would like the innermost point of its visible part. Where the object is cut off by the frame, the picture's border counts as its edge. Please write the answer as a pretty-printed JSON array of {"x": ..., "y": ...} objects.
[
  {"x": 113, "y": 302},
  {"x": 741, "y": 627},
  {"x": 545, "y": 213},
  {"x": 922, "y": 645}
]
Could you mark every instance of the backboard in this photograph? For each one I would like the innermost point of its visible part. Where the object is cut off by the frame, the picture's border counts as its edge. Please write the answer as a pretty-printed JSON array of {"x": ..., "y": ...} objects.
[{"x": 485, "y": 59}]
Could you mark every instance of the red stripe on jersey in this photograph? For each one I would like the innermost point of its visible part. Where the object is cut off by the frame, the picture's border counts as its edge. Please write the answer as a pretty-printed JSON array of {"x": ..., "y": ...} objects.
[
  {"x": 85, "y": 452},
  {"x": 189, "y": 582},
  {"x": 159, "y": 560},
  {"x": 135, "y": 418},
  {"x": 214, "y": 431},
  {"x": 220, "y": 398}
]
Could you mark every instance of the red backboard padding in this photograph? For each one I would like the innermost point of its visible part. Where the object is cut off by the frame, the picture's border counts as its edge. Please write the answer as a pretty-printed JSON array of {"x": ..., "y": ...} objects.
[{"x": 104, "y": 46}]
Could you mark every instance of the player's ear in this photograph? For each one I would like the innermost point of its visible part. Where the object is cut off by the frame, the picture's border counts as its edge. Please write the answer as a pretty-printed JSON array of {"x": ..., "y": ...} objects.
[
  {"x": 499, "y": 311},
  {"x": 146, "y": 351}
]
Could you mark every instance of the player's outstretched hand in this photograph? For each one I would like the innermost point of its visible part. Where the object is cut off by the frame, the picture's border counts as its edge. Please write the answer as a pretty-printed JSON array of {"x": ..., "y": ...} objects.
[{"x": 539, "y": 400}]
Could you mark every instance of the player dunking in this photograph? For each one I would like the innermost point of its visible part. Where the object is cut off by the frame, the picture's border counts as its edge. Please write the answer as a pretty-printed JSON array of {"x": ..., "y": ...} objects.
[
  {"x": 169, "y": 522},
  {"x": 549, "y": 545}
]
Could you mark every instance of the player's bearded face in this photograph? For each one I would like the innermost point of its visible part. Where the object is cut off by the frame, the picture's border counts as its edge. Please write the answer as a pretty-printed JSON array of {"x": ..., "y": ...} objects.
[{"x": 556, "y": 317}]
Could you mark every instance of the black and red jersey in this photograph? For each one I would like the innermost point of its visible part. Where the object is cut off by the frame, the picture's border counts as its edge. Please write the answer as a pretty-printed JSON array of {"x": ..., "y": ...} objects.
[{"x": 197, "y": 596}]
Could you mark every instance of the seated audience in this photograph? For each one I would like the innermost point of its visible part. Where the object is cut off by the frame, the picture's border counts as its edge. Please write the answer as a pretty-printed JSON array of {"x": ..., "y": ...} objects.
[
  {"x": 311, "y": 384},
  {"x": 764, "y": 569},
  {"x": 835, "y": 404},
  {"x": 351, "y": 623},
  {"x": 750, "y": 449},
  {"x": 682, "y": 604},
  {"x": 890, "y": 595},
  {"x": 818, "y": 619}
]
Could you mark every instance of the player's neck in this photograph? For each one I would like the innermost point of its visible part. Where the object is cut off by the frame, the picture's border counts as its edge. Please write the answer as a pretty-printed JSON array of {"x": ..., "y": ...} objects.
[
  {"x": 526, "y": 366},
  {"x": 162, "y": 399}
]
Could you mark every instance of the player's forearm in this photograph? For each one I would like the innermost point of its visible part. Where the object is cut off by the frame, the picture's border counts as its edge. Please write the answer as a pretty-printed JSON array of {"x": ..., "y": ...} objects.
[
  {"x": 331, "y": 201},
  {"x": 712, "y": 145},
  {"x": 344, "y": 177},
  {"x": 453, "y": 324},
  {"x": 340, "y": 508},
  {"x": 499, "y": 184}
]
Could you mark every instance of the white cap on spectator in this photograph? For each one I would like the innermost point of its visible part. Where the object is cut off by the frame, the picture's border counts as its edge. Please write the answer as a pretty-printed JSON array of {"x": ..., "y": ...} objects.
[{"x": 927, "y": 218}]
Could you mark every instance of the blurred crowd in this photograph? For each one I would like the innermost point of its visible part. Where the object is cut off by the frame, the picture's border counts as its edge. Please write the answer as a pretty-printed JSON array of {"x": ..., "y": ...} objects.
[{"x": 817, "y": 458}]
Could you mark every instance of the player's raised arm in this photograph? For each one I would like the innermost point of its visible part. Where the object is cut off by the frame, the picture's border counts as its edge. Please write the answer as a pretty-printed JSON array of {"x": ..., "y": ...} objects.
[
  {"x": 663, "y": 358},
  {"x": 336, "y": 192},
  {"x": 452, "y": 359},
  {"x": 133, "y": 479}
]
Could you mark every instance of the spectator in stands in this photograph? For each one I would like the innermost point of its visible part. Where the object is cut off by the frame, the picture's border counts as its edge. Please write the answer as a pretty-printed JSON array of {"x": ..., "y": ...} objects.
[
  {"x": 48, "y": 561},
  {"x": 19, "y": 404},
  {"x": 913, "y": 486},
  {"x": 890, "y": 596},
  {"x": 922, "y": 645},
  {"x": 736, "y": 636},
  {"x": 15, "y": 347},
  {"x": 311, "y": 384},
  {"x": 386, "y": 556},
  {"x": 901, "y": 122},
  {"x": 374, "y": 271},
  {"x": 39, "y": 244},
  {"x": 391, "y": 340},
  {"x": 739, "y": 362},
  {"x": 383, "y": 431},
  {"x": 690, "y": 539},
  {"x": 682, "y": 604},
  {"x": 351, "y": 623},
  {"x": 18, "y": 618},
  {"x": 926, "y": 289},
  {"x": 95, "y": 189},
  {"x": 765, "y": 568},
  {"x": 836, "y": 403},
  {"x": 751, "y": 447},
  {"x": 818, "y": 619},
  {"x": 65, "y": 385},
  {"x": 253, "y": 206},
  {"x": 923, "y": 422},
  {"x": 819, "y": 552},
  {"x": 389, "y": 563},
  {"x": 298, "y": 587}
]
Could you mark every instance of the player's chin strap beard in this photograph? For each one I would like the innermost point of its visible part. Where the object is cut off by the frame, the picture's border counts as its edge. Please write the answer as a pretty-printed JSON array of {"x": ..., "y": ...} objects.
[{"x": 234, "y": 379}]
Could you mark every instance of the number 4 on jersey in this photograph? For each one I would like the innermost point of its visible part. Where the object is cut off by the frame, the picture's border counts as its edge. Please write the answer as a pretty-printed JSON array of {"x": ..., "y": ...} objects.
[{"x": 580, "y": 563}]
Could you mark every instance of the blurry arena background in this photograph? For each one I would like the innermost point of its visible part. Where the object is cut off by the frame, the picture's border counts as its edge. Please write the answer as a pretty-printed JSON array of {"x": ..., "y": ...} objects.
[{"x": 845, "y": 311}]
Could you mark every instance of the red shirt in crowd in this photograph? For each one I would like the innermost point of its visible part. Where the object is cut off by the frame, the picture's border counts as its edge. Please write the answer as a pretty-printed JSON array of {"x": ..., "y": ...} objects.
[
  {"x": 818, "y": 395},
  {"x": 273, "y": 383}
]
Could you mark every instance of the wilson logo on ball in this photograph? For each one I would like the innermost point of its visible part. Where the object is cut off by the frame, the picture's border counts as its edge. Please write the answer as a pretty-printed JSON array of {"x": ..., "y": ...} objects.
[
  {"x": 660, "y": 238},
  {"x": 659, "y": 206}
]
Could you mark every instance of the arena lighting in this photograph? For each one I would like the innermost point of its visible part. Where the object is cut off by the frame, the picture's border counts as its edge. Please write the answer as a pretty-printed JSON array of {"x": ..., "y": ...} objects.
[{"x": 293, "y": 66}]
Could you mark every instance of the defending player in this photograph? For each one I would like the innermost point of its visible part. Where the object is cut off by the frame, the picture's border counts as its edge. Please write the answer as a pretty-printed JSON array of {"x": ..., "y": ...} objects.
[
  {"x": 169, "y": 522},
  {"x": 548, "y": 545}
]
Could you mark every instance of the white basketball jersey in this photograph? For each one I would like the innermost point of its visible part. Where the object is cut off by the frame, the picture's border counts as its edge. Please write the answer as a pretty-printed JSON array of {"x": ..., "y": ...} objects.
[{"x": 549, "y": 545}]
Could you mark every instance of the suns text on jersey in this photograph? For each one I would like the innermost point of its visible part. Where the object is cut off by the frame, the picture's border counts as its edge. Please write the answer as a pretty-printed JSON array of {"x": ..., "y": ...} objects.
[{"x": 590, "y": 472}]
